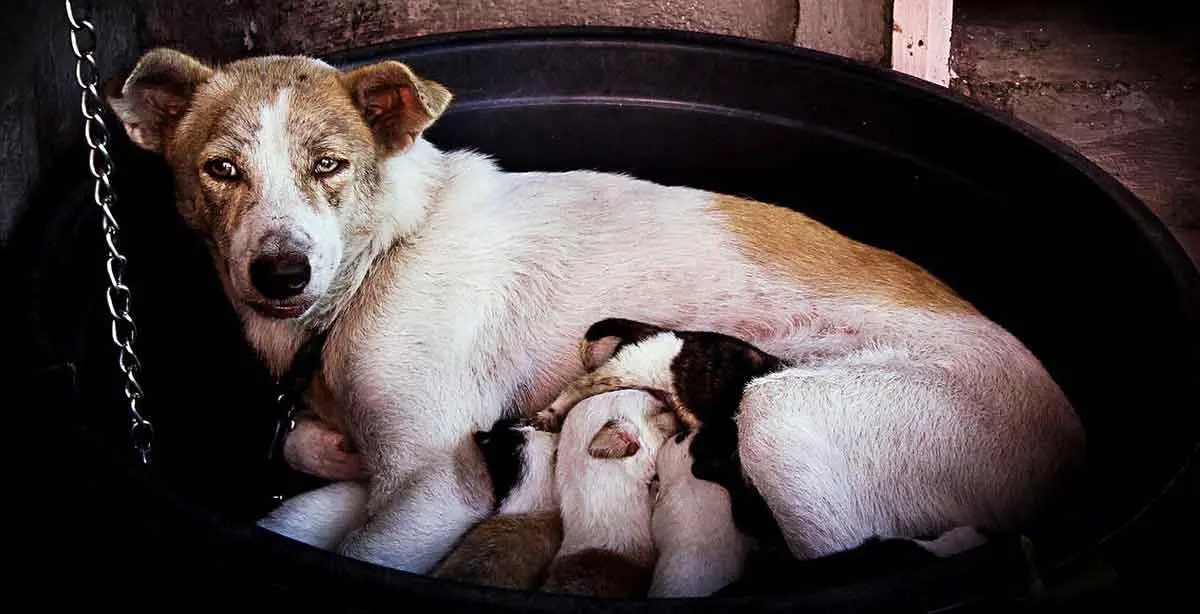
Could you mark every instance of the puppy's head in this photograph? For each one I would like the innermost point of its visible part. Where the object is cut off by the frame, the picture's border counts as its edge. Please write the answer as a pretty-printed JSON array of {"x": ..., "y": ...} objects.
[
  {"x": 605, "y": 338},
  {"x": 277, "y": 160},
  {"x": 621, "y": 438},
  {"x": 699, "y": 374},
  {"x": 517, "y": 457}
]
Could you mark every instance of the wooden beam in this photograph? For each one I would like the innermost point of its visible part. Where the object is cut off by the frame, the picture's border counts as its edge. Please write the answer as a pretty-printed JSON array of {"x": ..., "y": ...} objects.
[
  {"x": 856, "y": 29},
  {"x": 921, "y": 38}
]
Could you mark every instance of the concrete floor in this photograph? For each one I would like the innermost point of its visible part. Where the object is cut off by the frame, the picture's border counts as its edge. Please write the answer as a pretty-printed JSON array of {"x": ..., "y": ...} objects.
[{"x": 1121, "y": 85}]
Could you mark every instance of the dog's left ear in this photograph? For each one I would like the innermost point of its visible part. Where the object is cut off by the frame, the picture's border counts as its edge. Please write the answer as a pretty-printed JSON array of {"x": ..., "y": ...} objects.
[{"x": 396, "y": 103}]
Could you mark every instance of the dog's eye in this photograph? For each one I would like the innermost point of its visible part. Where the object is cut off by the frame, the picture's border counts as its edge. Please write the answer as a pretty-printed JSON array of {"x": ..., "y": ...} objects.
[
  {"x": 221, "y": 169},
  {"x": 327, "y": 166}
]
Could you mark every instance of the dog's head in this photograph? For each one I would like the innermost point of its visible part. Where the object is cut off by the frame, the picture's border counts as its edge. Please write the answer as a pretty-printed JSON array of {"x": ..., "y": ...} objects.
[{"x": 278, "y": 161}]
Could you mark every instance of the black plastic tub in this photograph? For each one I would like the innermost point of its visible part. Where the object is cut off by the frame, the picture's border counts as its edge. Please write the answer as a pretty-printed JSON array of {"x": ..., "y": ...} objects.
[{"x": 1033, "y": 234}]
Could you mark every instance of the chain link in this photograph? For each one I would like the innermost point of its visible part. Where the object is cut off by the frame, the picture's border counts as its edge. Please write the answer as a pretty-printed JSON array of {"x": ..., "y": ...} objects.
[{"x": 118, "y": 296}]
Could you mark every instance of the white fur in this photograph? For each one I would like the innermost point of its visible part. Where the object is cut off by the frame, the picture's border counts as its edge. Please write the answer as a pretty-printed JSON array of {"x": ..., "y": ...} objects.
[
  {"x": 644, "y": 365},
  {"x": 605, "y": 502},
  {"x": 953, "y": 542},
  {"x": 499, "y": 276},
  {"x": 321, "y": 517},
  {"x": 280, "y": 210},
  {"x": 901, "y": 444},
  {"x": 534, "y": 490},
  {"x": 699, "y": 549}
]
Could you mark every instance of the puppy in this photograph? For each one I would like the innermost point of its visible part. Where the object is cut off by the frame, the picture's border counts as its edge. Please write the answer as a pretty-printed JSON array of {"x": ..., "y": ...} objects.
[
  {"x": 605, "y": 467},
  {"x": 699, "y": 549},
  {"x": 852, "y": 475},
  {"x": 451, "y": 289},
  {"x": 699, "y": 375},
  {"x": 513, "y": 547}
]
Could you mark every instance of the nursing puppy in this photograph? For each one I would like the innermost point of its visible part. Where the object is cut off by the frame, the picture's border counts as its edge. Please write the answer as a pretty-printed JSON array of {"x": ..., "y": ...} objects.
[
  {"x": 855, "y": 481},
  {"x": 699, "y": 375},
  {"x": 700, "y": 551},
  {"x": 512, "y": 548},
  {"x": 606, "y": 459},
  {"x": 451, "y": 290}
]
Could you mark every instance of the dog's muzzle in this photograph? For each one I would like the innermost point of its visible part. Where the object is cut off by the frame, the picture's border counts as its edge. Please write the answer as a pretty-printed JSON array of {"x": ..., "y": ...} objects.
[{"x": 280, "y": 276}]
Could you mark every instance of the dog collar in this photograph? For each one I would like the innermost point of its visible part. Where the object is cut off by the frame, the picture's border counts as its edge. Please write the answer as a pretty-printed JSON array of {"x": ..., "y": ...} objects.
[{"x": 292, "y": 385}]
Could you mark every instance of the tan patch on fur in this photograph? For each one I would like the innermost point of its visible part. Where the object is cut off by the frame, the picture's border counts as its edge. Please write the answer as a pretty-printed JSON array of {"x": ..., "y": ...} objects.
[
  {"x": 829, "y": 263},
  {"x": 509, "y": 551},
  {"x": 599, "y": 573}
]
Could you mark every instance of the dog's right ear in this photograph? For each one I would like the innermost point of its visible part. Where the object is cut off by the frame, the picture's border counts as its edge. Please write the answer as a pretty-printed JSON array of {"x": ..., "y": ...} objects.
[
  {"x": 604, "y": 338},
  {"x": 397, "y": 104},
  {"x": 152, "y": 100}
]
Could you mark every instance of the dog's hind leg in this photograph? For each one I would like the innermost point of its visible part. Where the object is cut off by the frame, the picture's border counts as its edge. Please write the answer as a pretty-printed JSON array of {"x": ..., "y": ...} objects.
[
  {"x": 320, "y": 517},
  {"x": 843, "y": 453}
]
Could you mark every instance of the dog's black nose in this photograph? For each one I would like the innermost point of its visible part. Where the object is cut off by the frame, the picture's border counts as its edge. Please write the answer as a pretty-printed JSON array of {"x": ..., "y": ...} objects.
[{"x": 280, "y": 276}]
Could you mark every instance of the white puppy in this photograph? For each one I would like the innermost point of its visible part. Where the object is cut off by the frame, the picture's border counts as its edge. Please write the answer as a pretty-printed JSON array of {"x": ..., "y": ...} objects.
[
  {"x": 699, "y": 549},
  {"x": 605, "y": 467}
]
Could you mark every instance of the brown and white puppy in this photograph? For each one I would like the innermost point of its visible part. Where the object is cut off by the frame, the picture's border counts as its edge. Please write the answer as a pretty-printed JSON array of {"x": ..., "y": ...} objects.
[
  {"x": 513, "y": 547},
  {"x": 453, "y": 290},
  {"x": 606, "y": 460}
]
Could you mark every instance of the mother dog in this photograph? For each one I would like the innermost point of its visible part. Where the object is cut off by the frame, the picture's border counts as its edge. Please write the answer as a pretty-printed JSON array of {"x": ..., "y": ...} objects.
[{"x": 452, "y": 289}]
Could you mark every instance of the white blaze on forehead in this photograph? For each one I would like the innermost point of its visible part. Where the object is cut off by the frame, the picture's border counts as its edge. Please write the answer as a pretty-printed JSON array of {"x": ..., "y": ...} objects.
[
  {"x": 279, "y": 207},
  {"x": 271, "y": 152}
]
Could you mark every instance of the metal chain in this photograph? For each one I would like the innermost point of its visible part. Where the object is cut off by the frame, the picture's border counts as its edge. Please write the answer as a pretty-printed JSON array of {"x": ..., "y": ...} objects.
[{"x": 119, "y": 298}]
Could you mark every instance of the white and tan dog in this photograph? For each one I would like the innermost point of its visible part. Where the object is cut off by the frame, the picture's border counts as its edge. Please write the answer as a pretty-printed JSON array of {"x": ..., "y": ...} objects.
[{"x": 452, "y": 289}]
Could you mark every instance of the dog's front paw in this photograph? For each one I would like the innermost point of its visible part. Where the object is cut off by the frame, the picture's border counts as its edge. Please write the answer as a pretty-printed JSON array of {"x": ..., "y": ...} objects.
[
  {"x": 316, "y": 449},
  {"x": 547, "y": 420}
]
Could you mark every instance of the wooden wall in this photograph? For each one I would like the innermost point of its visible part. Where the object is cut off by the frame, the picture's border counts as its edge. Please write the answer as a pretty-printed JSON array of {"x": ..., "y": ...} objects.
[{"x": 39, "y": 100}]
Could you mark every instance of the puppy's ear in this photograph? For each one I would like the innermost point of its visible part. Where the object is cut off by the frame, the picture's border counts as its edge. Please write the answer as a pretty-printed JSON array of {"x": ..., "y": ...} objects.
[
  {"x": 604, "y": 338},
  {"x": 156, "y": 94},
  {"x": 396, "y": 103},
  {"x": 614, "y": 440}
]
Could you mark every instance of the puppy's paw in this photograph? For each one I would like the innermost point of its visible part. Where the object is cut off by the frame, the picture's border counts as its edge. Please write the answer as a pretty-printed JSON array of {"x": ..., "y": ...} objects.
[{"x": 547, "y": 420}]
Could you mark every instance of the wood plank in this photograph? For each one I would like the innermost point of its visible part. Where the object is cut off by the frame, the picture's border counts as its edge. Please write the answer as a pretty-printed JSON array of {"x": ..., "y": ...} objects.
[
  {"x": 921, "y": 38},
  {"x": 857, "y": 29}
]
